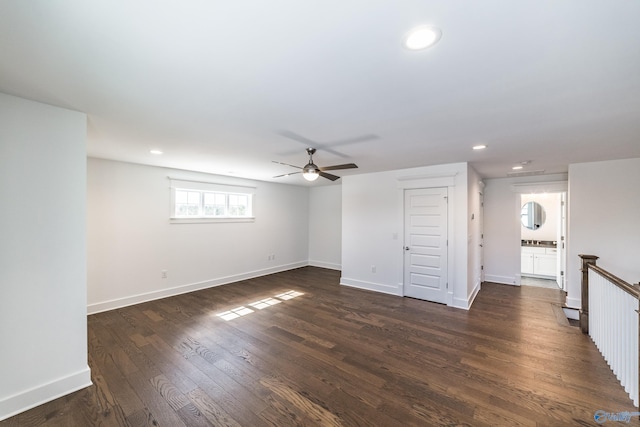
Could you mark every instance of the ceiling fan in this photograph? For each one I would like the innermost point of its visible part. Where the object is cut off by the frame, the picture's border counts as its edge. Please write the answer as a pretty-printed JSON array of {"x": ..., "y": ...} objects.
[{"x": 311, "y": 172}]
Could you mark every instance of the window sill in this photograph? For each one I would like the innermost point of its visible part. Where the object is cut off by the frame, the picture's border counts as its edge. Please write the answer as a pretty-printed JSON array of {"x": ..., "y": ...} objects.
[{"x": 209, "y": 220}]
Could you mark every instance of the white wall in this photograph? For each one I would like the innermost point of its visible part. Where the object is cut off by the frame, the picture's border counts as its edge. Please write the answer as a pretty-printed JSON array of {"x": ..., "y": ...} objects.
[
  {"x": 550, "y": 202},
  {"x": 130, "y": 239},
  {"x": 325, "y": 226},
  {"x": 43, "y": 310},
  {"x": 372, "y": 228},
  {"x": 604, "y": 212},
  {"x": 502, "y": 225}
]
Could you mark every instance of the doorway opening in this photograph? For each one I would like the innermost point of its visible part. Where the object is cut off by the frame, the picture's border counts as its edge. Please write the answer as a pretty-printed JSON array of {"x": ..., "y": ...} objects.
[{"x": 543, "y": 225}]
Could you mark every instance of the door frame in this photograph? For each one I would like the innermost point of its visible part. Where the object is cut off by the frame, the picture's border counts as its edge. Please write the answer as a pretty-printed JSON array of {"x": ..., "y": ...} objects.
[
  {"x": 442, "y": 293},
  {"x": 423, "y": 182},
  {"x": 538, "y": 187}
]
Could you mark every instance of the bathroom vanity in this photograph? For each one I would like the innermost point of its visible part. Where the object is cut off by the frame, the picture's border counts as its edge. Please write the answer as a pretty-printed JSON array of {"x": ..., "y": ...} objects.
[{"x": 539, "y": 258}]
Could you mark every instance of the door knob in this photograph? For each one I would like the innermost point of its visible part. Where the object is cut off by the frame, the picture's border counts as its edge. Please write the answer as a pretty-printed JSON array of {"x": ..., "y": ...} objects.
[{"x": 406, "y": 248}]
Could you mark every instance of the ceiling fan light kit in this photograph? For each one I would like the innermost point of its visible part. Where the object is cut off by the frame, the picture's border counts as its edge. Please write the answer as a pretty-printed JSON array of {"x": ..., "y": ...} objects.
[{"x": 310, "y": 173}]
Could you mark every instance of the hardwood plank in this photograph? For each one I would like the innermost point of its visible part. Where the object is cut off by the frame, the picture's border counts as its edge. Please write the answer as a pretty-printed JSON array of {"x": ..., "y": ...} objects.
[
  {"x": 211, "y": 410},
  {"x": 335, "y": 355}
]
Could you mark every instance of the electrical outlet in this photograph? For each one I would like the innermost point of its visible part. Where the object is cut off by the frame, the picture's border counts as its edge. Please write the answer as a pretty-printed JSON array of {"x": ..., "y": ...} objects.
[
  {"x": 373, "y": 268},
  {"x": 163, "y": 274}
]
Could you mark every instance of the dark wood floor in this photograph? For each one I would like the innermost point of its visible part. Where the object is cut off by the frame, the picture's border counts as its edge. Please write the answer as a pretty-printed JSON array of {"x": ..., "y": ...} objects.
[{"x": 337, "y": 356}]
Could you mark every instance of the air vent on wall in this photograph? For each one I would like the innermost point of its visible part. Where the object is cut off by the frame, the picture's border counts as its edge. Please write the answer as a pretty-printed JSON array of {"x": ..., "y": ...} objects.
[{"x": 526, "y": 173}]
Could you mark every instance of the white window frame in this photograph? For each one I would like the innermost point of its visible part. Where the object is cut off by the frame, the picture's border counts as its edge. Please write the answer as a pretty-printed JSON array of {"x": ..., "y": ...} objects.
[{"x": 203, "y": 187}]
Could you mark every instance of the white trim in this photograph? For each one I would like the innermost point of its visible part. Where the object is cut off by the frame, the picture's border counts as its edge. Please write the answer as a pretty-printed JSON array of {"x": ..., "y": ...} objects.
[
  {"x": 426, "y": 181},
  {"x": 205, "y": 220},
  {"x": 465, "y": 304},
  {"x": 474, "y": 294},
  {"x": 209, "y": 183},
  {"x": 504, "y": 280},
  {"x": 428, "y": 176},
  {"x": 571, "y": 313},
  {"x": 370, "y": 286},
  {"x": 323, "y": 264},
  {"x": 44, "y": 393},
  {"x": 164, "y": 293},
  {"x": 573, "y": 303},
  {"x": 541, "y": 187}
]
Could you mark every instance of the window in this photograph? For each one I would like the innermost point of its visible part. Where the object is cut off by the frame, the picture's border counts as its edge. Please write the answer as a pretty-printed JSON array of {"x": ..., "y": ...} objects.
[{"x": 209, "y": 202}]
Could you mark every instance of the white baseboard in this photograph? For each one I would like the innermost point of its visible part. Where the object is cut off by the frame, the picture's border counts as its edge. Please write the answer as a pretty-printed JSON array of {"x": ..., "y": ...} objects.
[
  {"x": 28, "y": 399},
  {"x": 505, "y": 280},
  {"x": 573, "y": 303},
  {"x": 370, "y": 286},
  {"x": 465, "y": 304},
  {"x": 322, "y": 264},
  {"x": 474, "y": 294},
  {"x": 571, "y": 313},
  {"x": 169, "y": 292},
  {"x": 461, "y": 303}
]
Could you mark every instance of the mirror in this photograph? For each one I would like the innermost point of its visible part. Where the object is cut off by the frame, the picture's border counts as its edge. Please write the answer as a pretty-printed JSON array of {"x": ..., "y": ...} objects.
[{"x": 532, "y": 215}]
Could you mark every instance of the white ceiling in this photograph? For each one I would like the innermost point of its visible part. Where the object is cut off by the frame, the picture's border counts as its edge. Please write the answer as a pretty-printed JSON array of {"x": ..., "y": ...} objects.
[{"x": 228, "y": 86}]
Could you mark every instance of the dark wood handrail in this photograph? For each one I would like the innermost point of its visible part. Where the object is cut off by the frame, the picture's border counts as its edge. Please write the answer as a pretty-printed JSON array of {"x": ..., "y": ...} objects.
[{"x": 633, "y": 290}]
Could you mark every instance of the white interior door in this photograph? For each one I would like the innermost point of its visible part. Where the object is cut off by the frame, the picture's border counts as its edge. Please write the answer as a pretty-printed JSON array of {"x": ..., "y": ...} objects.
[
  {"x": 561, "y": 244},
  {"x": 481, "y": 243},
  {"x": 425, "y": 239}
]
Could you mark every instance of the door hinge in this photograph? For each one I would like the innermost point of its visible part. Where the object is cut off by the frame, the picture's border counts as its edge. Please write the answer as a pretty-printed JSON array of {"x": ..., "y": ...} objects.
[
  {"x": 562, "y": 273},
  {"x": 447, "y": 285},
  {"x": 482, "y": 267}
]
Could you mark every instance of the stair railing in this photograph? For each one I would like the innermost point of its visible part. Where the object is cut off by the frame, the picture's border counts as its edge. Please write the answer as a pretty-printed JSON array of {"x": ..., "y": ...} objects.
[{"x": 609, "y": 314}]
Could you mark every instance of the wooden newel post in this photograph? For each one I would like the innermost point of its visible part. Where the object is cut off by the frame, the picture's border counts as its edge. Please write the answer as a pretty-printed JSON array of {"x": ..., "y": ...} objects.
[{"x": 584, "y": 310}]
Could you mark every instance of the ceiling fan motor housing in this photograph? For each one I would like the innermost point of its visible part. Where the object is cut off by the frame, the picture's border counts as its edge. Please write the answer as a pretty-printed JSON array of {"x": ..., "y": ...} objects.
[{"x": 310, "y": 168}]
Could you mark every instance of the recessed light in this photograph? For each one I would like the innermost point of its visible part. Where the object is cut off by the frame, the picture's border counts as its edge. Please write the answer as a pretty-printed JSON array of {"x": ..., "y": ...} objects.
[
  {"x": 156, "y": 152},
  {"x": 516, "y": 168},
  {"x": 422, "y": 38},
  {"x": 479, "y": 147}
]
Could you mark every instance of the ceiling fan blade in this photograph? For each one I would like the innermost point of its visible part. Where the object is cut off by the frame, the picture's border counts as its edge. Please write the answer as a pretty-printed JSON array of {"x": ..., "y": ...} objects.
[
  {"x": 298, "y": 138},
  {"x": 336, "y": 167},
  {"x": 329, "y": 176},
  {"x": 286, "y": 164},
  {"x": 286, "y": 174},
  {"x": 361, "y": 138}
]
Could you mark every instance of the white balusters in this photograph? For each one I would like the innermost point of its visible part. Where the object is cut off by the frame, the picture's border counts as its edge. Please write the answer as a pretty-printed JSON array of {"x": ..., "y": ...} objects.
[{"x": 613, "y": 327}]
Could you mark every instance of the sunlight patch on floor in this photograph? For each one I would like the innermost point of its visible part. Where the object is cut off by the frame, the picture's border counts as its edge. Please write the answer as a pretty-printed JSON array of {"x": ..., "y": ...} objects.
[
  {"x": 289, "y": 295},
  {"x": 264, "y": 303},
  {"x": 234, "y": 313}
]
